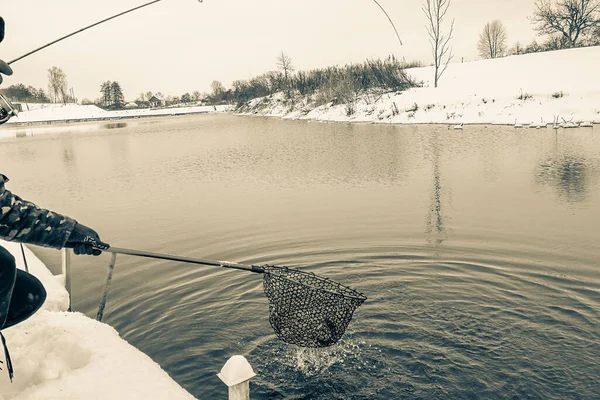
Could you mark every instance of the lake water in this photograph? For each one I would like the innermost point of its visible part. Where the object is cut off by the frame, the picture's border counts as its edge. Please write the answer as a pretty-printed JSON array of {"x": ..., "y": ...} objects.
[{"x": 478, "y": 249}]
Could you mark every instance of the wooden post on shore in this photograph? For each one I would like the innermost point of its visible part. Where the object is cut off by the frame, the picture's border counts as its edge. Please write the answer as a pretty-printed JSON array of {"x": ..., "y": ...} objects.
[
  {"x": 66, "y": 271},
  {"x": 236, "y": 374}
]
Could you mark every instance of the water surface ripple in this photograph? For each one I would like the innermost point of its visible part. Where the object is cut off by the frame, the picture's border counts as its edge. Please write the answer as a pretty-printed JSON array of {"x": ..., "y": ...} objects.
[{"x": 478, "y": 249}]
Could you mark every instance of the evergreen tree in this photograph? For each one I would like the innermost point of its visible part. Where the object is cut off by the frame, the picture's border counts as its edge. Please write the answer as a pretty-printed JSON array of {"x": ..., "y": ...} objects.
[
  {"x": 117, "y": 95},
  {"x": 105, "y": 90}
]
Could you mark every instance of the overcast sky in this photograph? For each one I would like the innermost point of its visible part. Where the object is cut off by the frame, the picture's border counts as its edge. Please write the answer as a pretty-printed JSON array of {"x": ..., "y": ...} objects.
[{"x": 178, "y": 46}]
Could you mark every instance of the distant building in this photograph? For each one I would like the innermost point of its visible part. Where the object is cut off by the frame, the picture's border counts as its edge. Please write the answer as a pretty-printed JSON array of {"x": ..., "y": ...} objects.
[
  {"x": 157, "y": 101},
  {"x": 131, "y": 105},
  {"x": 19, "y": 106}
]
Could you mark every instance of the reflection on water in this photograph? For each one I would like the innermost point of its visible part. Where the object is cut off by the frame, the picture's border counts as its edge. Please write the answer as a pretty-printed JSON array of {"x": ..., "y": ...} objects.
[
  {"x": 435, "y": 221},
  {"x": 569, "y": 175},
  {"x": 68, "y": 156},
  {"x": 8, "y": 131},
  {"x": 115, "y": 125},
  {"x": 481, "y": 283},
  {"x": 568, "y": 171}
]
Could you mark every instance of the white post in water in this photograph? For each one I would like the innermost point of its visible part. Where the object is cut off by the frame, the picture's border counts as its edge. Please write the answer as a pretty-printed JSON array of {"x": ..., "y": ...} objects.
[
  {"x": 66, "y": 271},
  {"x": 236, "y": 374}
]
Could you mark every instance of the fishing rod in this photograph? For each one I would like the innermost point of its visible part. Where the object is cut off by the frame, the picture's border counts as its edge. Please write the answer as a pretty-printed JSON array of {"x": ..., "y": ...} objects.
[
  {"x": 7, "y": 110},
  {"x": 137, "y": 8},
  {"x": 86, "y": 28}
]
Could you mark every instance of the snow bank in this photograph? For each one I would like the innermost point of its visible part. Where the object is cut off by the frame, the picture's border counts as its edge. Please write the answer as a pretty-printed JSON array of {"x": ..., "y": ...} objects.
[
  {"x": 64, "y": 355},
  {"x": 76, "y": 112},
  {"x": 559, "y": 85}
]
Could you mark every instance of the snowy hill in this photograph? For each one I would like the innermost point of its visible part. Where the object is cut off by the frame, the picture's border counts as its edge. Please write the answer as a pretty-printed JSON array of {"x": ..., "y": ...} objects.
[
  {"x": 68, "y": 356},
  {"x": 527, "y": 88}
]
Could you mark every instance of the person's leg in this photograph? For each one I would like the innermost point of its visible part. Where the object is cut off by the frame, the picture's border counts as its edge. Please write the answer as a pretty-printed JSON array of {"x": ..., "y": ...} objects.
[{"x": 8, "y": 273}]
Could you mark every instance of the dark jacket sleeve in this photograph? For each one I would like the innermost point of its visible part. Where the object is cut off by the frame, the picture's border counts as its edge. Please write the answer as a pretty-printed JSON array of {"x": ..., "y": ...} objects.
[{"x": 23, "y": 221}]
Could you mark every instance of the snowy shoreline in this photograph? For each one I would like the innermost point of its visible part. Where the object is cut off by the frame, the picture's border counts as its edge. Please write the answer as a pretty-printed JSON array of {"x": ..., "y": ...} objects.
[
  {"x": 538, "y": 89},
  {"x": 66, "y": 355},
  {"x": 73, "y": 113}
]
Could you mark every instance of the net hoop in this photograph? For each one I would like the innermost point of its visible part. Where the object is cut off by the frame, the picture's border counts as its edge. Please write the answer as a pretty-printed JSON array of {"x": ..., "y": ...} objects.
[{"x": 348, "y": 291}]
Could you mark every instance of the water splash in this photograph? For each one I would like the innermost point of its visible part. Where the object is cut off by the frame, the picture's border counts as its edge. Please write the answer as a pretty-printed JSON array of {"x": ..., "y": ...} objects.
[{"x": 316, "y": 361}]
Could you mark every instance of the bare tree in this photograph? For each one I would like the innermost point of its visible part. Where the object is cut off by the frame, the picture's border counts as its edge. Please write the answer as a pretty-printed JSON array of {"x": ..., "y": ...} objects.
[
  {"x": 516, "y": 49},
  {"x": 284, "y": 63},
  {"x": 572, "y": 19},
  {"x": 275, "y": 79},
  {"x": 217, "y": 88},
  {"x": 57, "y": 84},
  {"x": 492, "y": 40},
  {"x": 435, "y": 11}
]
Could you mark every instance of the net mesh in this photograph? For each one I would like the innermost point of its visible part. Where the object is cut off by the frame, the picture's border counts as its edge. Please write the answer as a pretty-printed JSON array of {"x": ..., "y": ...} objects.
[{"x": 307, "y": 310}]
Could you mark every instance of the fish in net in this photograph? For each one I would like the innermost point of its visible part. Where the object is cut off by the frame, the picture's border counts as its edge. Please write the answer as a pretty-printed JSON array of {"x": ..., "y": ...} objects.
[{"x": 308, "y": 310}]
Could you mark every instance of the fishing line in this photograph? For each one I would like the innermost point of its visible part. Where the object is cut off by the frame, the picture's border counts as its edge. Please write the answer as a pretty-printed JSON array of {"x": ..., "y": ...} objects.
[
  {"x": 391, "y": 22},
  {"x": 146, "y": 5},
  {"x": 83, "y": 29}
]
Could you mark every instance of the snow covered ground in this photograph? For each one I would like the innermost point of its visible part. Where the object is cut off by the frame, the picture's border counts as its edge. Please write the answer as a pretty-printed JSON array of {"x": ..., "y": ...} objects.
[
  {"x": 66, "y": 355},
  {"x": 75, "y": 112},
  {"x": 525, "y": 89},
  {"x": 536, "y": 89}
]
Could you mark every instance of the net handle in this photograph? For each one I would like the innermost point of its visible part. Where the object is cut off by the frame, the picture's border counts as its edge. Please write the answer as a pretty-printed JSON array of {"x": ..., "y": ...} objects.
[{"x": 148, "y": 254}]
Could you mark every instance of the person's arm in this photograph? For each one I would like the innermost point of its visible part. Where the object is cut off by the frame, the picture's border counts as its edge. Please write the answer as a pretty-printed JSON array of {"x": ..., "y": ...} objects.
[{"x": 23, "y": 221}]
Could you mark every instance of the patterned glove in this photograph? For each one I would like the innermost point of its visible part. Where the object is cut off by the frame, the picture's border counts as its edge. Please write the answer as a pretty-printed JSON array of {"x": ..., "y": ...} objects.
[{"x": 84, "y": 240}]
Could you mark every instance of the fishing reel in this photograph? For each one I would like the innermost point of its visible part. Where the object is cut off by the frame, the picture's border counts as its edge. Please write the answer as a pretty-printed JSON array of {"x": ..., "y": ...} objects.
[{"x": 7, "y": 111}]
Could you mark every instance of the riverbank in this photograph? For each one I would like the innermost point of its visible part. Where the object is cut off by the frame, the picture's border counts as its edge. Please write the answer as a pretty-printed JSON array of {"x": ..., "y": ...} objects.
[
  {"x": 531, "y": 89},
  {"x": 65, "y": 355},
  {"x": 52, "y": 113}
]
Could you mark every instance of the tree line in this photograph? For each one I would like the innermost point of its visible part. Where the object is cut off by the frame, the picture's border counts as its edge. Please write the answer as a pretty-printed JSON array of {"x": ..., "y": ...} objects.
[
  {"x": 330, "y": 84},
  {"x": 20, "y": 92},
  {"x": 562, "y": 24},
  {"x": 57, "y": 90}
]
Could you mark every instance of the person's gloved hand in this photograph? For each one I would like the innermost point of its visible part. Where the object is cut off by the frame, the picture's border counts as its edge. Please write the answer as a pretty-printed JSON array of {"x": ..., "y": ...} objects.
[{"x": 84, "y": 240}]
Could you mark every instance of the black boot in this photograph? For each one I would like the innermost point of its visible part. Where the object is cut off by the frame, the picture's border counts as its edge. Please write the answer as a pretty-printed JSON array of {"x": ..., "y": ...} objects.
[
  {"x": 27, "y": 297},
  {"x": 21, "y": 295}
]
